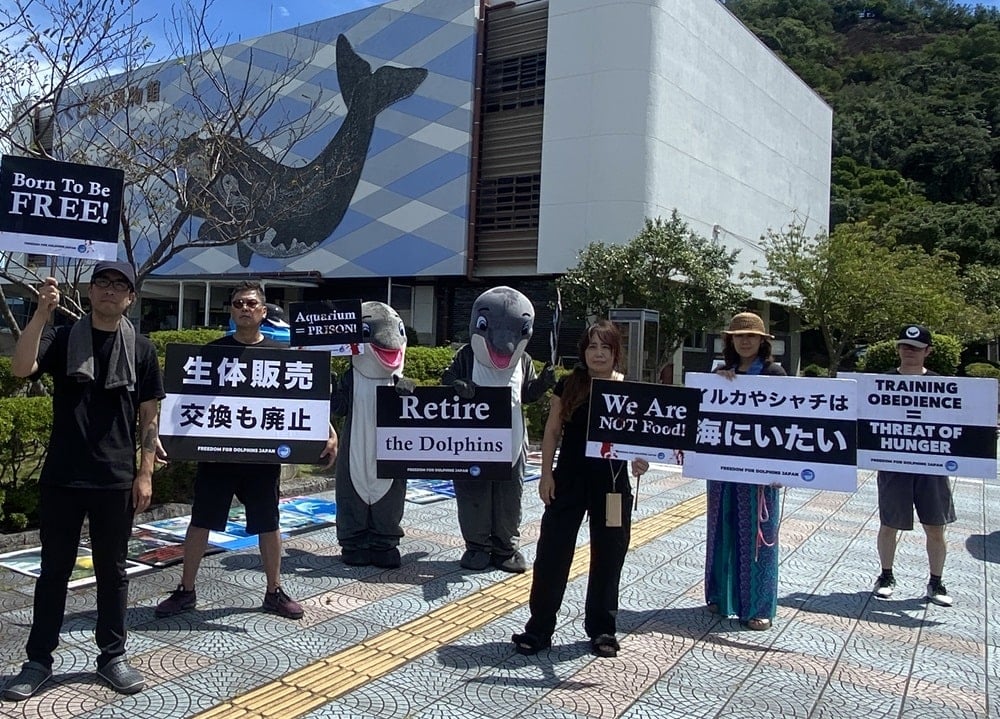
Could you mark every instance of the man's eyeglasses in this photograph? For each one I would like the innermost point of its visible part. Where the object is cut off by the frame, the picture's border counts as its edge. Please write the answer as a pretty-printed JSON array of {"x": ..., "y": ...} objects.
[
  {"x": 249, "y": 304},
  {"x": 104, "y": 283}
]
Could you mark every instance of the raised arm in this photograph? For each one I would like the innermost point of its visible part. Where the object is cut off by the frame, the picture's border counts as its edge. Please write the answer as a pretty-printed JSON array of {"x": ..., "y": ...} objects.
[{"x": 24, "y": 362}]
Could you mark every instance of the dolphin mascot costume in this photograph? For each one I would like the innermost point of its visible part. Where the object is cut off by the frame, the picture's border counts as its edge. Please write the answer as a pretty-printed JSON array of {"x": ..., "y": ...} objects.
[
  {"x": 489, "y": 511},
  {"x": 369, "y": 508}
]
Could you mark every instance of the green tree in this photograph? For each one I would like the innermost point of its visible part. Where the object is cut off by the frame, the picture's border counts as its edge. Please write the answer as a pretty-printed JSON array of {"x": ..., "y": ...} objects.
[
  {"x": 667, "y": 268},
  {"x": 854, "y": 285}
]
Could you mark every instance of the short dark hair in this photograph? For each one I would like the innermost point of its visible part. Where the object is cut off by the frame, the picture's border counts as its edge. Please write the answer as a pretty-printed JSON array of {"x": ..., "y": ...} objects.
[{"x": 249, "y": 286}]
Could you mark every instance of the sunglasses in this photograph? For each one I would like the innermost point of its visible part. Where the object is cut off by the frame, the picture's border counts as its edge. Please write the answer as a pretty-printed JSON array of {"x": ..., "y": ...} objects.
[{"x": 249, "y": 304}]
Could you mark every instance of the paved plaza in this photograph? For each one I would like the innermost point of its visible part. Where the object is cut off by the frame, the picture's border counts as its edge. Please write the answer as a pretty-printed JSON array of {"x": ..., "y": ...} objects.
[{"x": 431, "y": 640}]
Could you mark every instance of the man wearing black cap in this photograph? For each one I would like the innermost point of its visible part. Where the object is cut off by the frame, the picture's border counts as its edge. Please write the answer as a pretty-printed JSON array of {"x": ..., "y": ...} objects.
[
  {"x": 106, "y": 381},
  {"x": 900, "y": 492}
]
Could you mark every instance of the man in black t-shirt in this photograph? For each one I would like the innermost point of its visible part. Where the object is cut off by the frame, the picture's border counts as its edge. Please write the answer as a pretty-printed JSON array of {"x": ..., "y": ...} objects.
[
  {"x": 106, "y": 381},
  {"x": 255, "y": 485},
  {"x": 900, "y": 492}
]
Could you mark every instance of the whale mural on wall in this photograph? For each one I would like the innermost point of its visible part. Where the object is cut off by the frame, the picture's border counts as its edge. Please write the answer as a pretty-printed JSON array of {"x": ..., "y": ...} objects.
[{"x": 273, "y": 209}]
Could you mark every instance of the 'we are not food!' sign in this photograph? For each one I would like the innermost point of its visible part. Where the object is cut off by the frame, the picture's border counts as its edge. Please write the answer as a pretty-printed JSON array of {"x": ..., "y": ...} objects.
[{"x": 60, "y": 208}]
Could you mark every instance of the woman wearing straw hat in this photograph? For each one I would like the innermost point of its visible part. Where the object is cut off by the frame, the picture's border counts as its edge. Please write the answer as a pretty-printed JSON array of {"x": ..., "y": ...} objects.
[{"x": 741, "y": 554}]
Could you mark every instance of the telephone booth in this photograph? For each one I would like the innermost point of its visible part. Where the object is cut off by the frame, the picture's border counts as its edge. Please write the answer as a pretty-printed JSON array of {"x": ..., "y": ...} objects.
[{"x": 641, "y": 340}]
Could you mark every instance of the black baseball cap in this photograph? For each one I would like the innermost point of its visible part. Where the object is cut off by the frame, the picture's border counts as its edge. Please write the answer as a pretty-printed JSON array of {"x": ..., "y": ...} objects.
[
  {"x": 914, "y": 335},
  {"x": 123, "y": 267}
]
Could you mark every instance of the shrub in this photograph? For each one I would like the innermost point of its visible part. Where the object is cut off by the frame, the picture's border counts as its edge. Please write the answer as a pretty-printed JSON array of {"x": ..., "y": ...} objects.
[
  {"x": 174, "y": 482},
  {"x": 9, "y": 384},
  {"x": 188, "y": 337},
  {"x": 882, "y": 356},
  {"x": 982, "y": 369},
  {"x": 814, "y": 370},
  {"x": 427, "y": 363},
  {"x": 25, "y": 426}
]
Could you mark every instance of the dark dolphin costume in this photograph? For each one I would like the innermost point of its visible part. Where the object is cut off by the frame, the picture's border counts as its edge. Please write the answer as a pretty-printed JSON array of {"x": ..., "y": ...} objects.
[
  {"x": 369, "y": 508},
  {"x": 489, "y": 512}
]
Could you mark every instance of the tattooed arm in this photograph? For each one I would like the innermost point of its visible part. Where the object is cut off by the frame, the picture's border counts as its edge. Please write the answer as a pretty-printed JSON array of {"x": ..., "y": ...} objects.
[{"x": 149, "y": 448}]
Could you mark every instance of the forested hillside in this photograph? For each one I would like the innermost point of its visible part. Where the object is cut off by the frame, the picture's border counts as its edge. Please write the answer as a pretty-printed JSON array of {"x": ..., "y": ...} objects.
[{"x": 915, "y": 89}]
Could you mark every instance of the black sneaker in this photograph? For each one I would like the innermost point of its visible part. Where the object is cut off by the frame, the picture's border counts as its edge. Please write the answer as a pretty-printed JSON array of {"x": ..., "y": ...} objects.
[
  {"x": 938, "y": 594},
  {"x": 180, "y": 600},
  {"x": 121, "y": 676},
  {"x": 884, "y": 586},
  {"x": 28, "y": 681},
  {"x": 280, "y": 603}
]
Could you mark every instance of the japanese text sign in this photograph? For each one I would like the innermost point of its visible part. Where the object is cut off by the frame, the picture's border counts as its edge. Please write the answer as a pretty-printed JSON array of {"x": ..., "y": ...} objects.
[
  {"x": 245, "y": 404},
  {"x": 792, "y": 431}
]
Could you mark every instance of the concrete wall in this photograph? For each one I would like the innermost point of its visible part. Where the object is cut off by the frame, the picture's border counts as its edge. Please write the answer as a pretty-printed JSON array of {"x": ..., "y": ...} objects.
[{"x": 653, "y": 105}]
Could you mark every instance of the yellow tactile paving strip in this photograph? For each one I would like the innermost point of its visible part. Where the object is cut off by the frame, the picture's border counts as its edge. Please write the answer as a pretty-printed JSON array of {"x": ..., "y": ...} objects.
[{"x": 311, "y": 687}]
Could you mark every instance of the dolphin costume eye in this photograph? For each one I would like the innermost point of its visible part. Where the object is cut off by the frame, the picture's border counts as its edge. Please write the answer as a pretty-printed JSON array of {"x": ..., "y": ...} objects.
[
  {"x": 366, "y": 331},
  {"x": 482, "y": 323},
  {"x": 402, "y": 329},
  {"x": 526, "y": 328}
]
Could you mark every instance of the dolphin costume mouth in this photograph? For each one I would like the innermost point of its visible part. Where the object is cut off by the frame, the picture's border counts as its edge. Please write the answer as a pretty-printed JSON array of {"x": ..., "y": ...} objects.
[{"x": 391, "y": 358}]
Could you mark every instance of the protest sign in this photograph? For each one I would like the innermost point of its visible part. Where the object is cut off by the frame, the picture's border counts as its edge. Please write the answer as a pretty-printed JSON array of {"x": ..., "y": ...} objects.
[
  {"x": 926, "y": 424},
  {"x": 245, "y": 404},
  {"x": 332, "y": 325},
  {"x": 60, "y": 208},
  {"x": 639, "y": 419},
  {"x": 792, "y": 431},
  {"x": 435, "y": 434}
]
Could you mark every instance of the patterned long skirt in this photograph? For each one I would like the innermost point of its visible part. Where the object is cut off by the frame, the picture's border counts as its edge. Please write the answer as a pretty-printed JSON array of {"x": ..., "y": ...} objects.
[{"x": 741, "y": 554}]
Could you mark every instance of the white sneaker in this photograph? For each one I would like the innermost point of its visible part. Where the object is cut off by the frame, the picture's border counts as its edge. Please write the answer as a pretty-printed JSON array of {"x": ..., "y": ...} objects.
[
  {"x": 884, "y": 587},
  {"x": 938, "y": 593}
]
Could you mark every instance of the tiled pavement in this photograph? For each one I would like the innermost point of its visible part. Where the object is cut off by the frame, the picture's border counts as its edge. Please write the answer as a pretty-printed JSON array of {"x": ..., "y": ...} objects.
[{"x": 432, "y": 640}]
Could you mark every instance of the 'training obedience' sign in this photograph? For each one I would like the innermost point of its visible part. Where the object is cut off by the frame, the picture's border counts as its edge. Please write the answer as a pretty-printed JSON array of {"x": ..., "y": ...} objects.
[
  {"x": 60, "y": 208},
  {"x": 435, "y": 434},
  {"x": 927, "y": 424}
]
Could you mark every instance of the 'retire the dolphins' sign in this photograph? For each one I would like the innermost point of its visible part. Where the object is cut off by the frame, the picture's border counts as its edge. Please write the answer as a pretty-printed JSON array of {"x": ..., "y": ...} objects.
[{"x": 60, "y": 208}]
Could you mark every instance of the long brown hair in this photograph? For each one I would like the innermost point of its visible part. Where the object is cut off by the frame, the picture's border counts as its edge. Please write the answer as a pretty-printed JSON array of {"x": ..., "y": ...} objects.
[{"x": 577, "y": 385}]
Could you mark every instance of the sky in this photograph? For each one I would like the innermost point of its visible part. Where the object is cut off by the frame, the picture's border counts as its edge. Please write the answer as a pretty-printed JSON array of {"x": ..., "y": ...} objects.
[{"x": 235, "y": 20}]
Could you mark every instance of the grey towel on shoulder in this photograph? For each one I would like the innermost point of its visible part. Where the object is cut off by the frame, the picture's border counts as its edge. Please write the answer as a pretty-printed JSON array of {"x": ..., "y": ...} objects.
[{"x": 121, "y": 363}]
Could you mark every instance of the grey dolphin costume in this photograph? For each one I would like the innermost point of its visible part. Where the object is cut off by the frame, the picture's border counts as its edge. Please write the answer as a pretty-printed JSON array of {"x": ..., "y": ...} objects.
[
  {"x": 369, "y": 508},
  {"x": 489, "y": 511}
]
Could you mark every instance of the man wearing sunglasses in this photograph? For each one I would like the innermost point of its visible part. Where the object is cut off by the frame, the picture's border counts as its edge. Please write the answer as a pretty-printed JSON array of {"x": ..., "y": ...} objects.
[
  {"x": 106, "y": 382},
  {"x": 255, "y": 485}
]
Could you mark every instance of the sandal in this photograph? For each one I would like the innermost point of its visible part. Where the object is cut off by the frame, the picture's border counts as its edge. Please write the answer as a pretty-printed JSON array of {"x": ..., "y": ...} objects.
[
  {"x": 529, "y": 644},
  {"x": 605, "y": 645},
  {"x": 759, "y": 625}
]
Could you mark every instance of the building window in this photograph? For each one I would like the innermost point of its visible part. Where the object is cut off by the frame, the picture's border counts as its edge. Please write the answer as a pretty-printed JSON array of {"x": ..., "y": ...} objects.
[
  {"x": 508, "y": 203},
  {"x": 695, "y": 341},
  {"x": 514, "y": 82}
]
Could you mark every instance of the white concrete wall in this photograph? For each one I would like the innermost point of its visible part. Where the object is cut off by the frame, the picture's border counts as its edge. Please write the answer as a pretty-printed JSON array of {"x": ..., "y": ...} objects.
[{"x": 652, "y": 105}]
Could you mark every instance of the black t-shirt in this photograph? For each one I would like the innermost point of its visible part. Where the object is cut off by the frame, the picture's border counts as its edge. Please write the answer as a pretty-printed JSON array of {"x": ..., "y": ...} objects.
[
  {"x": 244, "y": 470},
  {"x": 573, "y": 449},
  {"x": 93, "y": 441}
]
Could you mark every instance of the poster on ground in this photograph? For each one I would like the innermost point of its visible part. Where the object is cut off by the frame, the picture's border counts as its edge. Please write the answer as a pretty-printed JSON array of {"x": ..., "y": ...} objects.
[
  {"x": 29, "y": 562},
  {"x": 927, "y": 424},
  {"x": 790, "y": 431},
  {"x": 60, "y": 208}
]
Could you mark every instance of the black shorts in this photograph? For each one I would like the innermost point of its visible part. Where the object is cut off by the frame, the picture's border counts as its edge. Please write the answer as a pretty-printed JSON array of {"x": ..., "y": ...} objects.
[
  {"x": 215, "y": 485},
  {"x": 900, "y": 492}
]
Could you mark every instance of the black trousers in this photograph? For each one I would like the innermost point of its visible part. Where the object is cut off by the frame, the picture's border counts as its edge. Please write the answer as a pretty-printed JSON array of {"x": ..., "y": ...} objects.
[
  {"x": 561, "y": 522},
  {"x": 61, "y": 513}
]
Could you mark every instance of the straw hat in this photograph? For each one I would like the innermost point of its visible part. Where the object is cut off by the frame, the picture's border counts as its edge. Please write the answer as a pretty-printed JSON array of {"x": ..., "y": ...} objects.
[{"x": 747, "y": 323}]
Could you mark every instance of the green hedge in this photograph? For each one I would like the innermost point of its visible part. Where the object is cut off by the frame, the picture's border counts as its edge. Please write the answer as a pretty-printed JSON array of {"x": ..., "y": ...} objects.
[
  {"x": 814, "y": 370},
  {"x": 25, "y": 426},
  {"x": 186, "y": 337},
  {"x": 982, "y": 369},
  {"x": 882, "y": 356}
]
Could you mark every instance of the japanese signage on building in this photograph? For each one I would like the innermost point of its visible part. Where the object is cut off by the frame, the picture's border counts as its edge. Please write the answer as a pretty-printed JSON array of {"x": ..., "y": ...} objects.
[
  {"x": 792, "y": 431},
  {"x": 434, "y": 433},
  {"x": 333, "y": 325},
  {"x": 927, "y": 424},
  {"x": 638, "y": 419},
  {"x": 245, "y": 404},
  {"x": 60, "y": 208}
]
